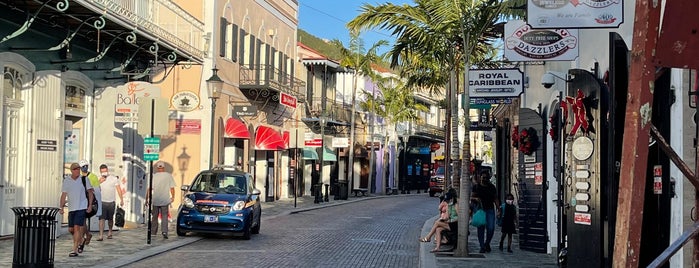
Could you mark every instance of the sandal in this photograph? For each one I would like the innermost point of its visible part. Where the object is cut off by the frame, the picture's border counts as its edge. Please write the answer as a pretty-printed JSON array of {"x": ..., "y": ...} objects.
[
  {"x": 100, "y": 239},
  {"x": 81, "y": 247},
  {"x": 88, "y": 238},
  {"x": 434, "y": 250},
  {"x": 425, "y": 240},
  {"x": 73, "y": 254},
  {"x": 109, "y": 237}
]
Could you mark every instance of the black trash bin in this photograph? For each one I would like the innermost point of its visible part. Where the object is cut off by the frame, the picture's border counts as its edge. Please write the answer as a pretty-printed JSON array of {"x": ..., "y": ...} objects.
[
  {"x": 35, "y": 236},
  {"x": 342, "y": 191}
]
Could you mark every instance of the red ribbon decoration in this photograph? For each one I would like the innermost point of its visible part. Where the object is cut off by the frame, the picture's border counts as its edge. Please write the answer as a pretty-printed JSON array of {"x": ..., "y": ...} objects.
[{"x": 579, "y": 112}]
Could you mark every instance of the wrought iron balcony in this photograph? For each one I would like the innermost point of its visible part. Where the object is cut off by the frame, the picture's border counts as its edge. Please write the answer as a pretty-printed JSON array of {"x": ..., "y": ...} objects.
[
  {"x": 162, "y": 19},
  {"x": 429, "y": 130},
  {"x": 263, "y": 78}
]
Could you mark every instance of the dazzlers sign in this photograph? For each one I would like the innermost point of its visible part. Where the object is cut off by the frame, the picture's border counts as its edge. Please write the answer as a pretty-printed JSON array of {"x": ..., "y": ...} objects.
[
  {"x": 575, "y": 13},
  {"x": 495, "y": 83},
  {"x": 526, "y": 44}
]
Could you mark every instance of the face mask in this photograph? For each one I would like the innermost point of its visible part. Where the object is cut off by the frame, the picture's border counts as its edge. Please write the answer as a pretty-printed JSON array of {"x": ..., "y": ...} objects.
[
  {"x": 105, "y": 174},
  {"x": 84, "y": 168},
  {"x": 509, "y": 202}
]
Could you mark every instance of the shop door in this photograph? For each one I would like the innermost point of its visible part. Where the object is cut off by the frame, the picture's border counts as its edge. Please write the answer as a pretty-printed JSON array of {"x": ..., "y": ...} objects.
[
  {"x": 531, "y": 192},
  {"x": 10, "y": 165},
  {"x": 269, "y": 181}
]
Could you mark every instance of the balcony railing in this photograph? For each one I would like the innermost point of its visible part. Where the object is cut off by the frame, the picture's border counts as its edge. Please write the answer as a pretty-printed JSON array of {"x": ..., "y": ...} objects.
[
  {"x": 428, "y": 130},
  {"x": 163, "y": 19},
  {"x": 265, "y": 76}
]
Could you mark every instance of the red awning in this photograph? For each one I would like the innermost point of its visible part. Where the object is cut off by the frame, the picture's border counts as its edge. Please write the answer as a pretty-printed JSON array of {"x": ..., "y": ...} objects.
[
  {"x": 285, "y": 137},
  {"x": 236, "y": 129},
  {"x": 266, "y": 138}
]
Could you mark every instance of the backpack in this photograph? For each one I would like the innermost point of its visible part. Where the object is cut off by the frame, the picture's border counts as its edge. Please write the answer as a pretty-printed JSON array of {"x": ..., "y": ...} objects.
[{"x": 95, "y": 205}]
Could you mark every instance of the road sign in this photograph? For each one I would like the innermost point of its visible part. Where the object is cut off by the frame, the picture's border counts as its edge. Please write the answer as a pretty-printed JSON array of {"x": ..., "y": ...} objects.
[
  {"x": 153, "y": 116},
  {"x": 151, "y": 148}
]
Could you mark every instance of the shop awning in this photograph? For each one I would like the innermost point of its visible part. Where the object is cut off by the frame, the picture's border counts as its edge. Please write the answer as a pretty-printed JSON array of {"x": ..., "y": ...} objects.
[
  {"x": 329, "y": 155},
  {"x": 266, "y": 138},
  {"x": 310, "y": 154},
  {"x": 236, "y": 129}
]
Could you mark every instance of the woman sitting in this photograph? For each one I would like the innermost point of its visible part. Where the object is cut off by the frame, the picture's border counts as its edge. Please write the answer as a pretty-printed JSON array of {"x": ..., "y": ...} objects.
[{"x": 448, "y": 216}]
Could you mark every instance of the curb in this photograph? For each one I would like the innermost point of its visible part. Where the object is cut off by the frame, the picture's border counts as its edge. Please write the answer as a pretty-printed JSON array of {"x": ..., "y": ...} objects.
[
  {"x": 150, "y": 252},
  {"x": 427, "y": 259}
]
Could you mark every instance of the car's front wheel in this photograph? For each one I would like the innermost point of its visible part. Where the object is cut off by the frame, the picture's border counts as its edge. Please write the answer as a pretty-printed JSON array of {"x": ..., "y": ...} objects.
[
  {"x": 246, "y": 230},
  {"x": 180, "y": 232},
  {"x": 256, "y": 228}
]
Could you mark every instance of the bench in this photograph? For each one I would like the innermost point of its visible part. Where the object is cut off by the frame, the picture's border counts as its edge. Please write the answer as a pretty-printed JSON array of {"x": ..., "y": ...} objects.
[{"x": 357, "y": 191}]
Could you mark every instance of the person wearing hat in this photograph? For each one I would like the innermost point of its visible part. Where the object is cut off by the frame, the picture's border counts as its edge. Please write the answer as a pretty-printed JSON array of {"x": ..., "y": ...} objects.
[
  {"x": 163, "y": 195},
  {"x": 73, "y": 189},
  {"x": 95, "y": 182}
]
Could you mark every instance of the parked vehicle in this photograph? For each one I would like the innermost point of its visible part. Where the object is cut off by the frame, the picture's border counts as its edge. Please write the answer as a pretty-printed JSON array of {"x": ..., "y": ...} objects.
[
  {"x": 437, "y": 181},
  {"x": 221, "y": 201}
]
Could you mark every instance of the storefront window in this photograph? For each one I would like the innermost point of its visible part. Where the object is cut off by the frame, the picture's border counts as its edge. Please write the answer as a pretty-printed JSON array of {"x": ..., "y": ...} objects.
[
  {"x": 75, "y": 98},
  {"x": 12, "y": 83}
]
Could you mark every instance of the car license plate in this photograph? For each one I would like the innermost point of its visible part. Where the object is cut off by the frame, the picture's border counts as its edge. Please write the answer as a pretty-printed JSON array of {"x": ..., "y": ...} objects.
[{"x": 209, "y": 218}]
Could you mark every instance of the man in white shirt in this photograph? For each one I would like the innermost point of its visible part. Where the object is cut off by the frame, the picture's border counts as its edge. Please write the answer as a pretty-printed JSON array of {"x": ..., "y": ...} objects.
[
  {"x": 163, "y": 195},
  {"x": 109, "y": 188},
  {"x": 74, "y": 190}
]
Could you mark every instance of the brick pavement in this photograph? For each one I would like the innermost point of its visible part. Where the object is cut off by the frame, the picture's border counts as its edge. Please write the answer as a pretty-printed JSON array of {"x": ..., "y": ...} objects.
[{"x": 129, "y": 244}]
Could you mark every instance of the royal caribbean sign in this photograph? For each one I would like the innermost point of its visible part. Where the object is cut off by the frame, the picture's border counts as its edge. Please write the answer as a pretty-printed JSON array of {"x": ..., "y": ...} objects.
[
  {"x": 522, "y": 43},
  {"x": 575, "y": 13},
  {"x": 495, "y": 83}
]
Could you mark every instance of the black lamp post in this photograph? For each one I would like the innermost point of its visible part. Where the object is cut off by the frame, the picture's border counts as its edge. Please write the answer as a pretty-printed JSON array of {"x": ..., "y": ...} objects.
[{"x": 213, "y": 85}]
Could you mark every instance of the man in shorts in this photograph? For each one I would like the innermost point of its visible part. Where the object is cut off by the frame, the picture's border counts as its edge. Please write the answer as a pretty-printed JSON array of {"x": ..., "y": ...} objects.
[
  {"x": 74, "y": 190},
  {"x": 109, "y": 188}
]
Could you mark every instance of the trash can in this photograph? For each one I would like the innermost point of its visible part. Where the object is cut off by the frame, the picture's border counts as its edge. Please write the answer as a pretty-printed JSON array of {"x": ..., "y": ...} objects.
[
  {"x": 342, "y": 191},
  {"x": 35, "y": 236}
]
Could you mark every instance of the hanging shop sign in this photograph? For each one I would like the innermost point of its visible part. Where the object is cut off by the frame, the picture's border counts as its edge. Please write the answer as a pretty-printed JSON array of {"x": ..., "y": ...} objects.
[
  {"x": 287, "y": 100},
  {"x": 250, "y": 110},
  {"x": 185, "y": 101},
  {"x": 575, "y": 14},
  {"x": 495, "y": 83},
  {"x": 523, "y": 43}
]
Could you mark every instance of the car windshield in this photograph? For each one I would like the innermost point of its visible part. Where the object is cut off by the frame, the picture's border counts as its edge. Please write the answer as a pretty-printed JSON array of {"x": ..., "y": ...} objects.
[
  {"x": 220, "y": 183},
  {"x": 440, "y": 171}
]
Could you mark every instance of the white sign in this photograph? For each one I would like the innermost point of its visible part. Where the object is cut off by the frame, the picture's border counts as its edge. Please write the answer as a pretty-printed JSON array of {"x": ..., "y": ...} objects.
[
  {"x": 522, "y": 43},
  {"x": 185, "y": 101},
  {"x": 125, "y": 119},
  {"x": 575, "y": 13},
  {"x": 340, "y": 142},
  {"x": 495, "y": 83}
]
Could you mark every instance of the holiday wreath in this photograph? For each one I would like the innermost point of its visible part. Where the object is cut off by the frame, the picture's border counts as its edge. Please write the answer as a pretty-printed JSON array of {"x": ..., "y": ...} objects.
[{"x": 525, "y": 140}]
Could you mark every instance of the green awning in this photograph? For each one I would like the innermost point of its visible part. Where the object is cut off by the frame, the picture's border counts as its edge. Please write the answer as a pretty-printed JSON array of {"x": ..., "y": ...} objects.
[
  {"x": 310, "y": 154},
  {"x": 329, "y": 155}
]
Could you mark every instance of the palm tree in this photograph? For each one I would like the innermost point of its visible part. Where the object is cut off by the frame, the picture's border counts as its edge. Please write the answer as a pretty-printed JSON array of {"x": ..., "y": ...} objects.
[
  {"x": 395, "y": 104},
  {"x": 359, "y": 60},
  {"x": 433, "y": 38}
]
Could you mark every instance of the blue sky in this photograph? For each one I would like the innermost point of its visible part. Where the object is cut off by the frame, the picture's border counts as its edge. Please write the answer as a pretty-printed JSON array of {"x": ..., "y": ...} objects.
[{"x": 327, "y": 19}]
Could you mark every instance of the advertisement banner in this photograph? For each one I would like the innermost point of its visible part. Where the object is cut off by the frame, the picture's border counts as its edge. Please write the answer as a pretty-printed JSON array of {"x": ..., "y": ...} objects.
[
  {"x": 523, "y": 43},
  {"x": 575, "y": 13}
]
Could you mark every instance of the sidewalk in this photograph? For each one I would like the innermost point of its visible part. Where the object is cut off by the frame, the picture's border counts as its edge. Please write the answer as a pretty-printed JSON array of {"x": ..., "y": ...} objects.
[
  {"x": 129, "y": 244},
  {"x": 496, "y": 258}
]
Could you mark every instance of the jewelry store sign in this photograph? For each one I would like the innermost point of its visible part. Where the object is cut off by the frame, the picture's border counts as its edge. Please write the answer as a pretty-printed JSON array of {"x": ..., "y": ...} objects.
[
  {"x": 575, "y": 13},
  {"x": 522, "y": 43},
  {"x": 495, "y": 83}
]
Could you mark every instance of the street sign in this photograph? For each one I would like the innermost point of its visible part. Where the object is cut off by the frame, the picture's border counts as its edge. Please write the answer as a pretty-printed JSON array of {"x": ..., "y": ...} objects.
[
  {"x": 151, "y": 148},
  {"x": 157, "y": 109}
]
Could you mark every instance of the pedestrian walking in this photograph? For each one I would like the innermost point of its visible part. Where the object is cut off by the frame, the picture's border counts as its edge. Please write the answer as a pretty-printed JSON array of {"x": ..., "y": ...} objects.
[
  {"x": 163, "y": 195},
  {"x": 72, "y": 190},
  {"x": 109, "y": 190},
  {"x": 509, "y": 221},
  {"x": 487, "y": 194},
  {"x": 95, "y": 182}
]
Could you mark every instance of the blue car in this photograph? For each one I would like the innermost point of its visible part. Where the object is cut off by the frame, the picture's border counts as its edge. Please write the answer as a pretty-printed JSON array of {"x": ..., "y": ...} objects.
[{"x": 220, "y": 201}]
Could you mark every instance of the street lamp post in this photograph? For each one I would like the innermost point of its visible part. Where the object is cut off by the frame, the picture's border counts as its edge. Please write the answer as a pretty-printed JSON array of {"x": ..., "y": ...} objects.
[{"x": 213, "y": 86}]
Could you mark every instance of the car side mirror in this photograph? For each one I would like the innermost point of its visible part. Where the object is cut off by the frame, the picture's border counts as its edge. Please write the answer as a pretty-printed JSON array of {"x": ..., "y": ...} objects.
[
  {"x": 256, "y": 192},
  {"x": 184, "y": 188}
]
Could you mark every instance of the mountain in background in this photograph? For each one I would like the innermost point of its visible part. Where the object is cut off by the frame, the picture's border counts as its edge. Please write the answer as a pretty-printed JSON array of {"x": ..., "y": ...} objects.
[{"x": 320, "y": 45}]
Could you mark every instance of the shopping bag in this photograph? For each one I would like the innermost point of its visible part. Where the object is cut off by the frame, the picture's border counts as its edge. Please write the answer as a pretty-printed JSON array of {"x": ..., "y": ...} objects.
[
  {"x": 119, "y": 217},
  {"x": 478, "y": 218}
]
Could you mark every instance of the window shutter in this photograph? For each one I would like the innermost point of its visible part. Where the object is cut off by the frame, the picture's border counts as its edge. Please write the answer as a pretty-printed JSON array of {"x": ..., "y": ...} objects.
[
  {"x": 234, "y": 43},
  {"x": 222, "y": 38}
]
